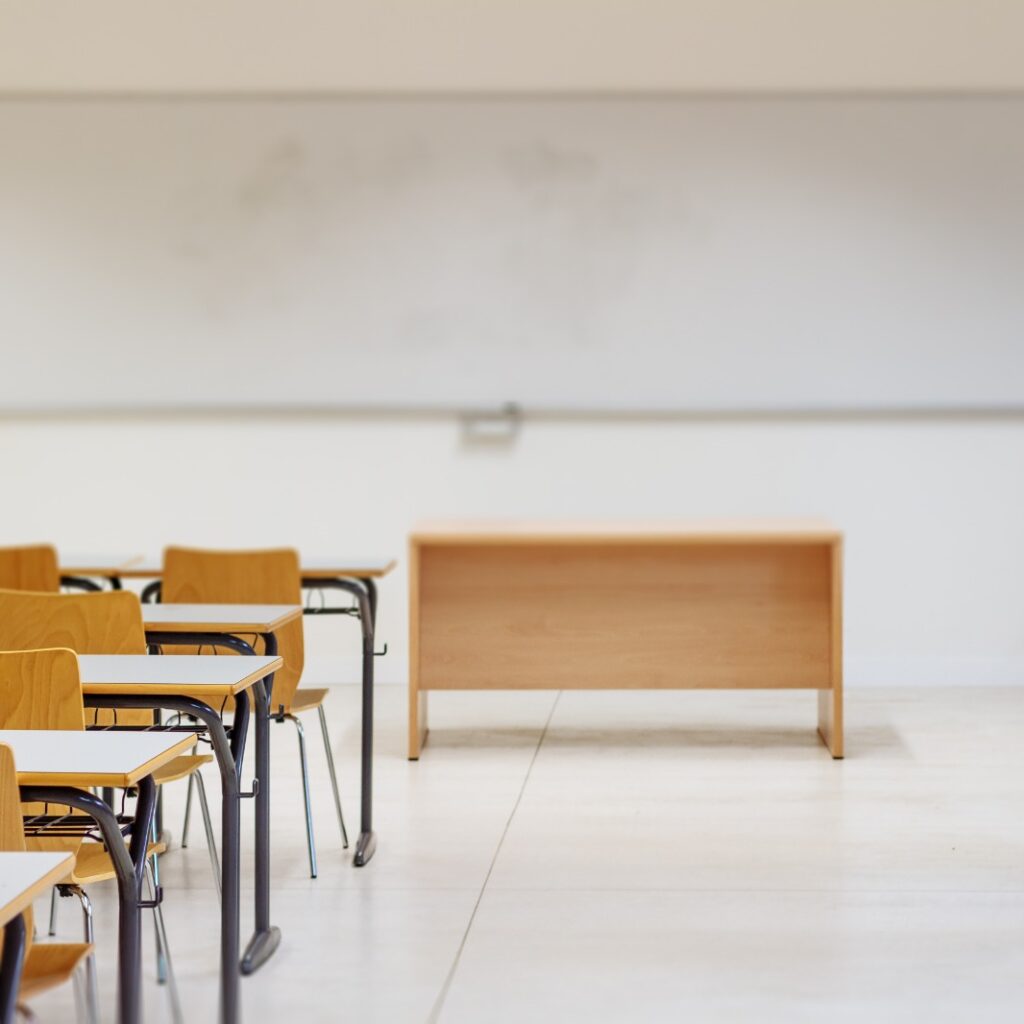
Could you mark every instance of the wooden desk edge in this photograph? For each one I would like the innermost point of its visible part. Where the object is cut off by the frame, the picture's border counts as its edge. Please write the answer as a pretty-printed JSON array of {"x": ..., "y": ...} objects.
[
  {"x": 349, "y": 573},
  {"x": 650, "y": 538},
  {"x": 118, "y": 780},
  {"x": 184, "y": 688},
  {"x": 27, "y": 896},
  {"x": 135, "y": 571},
  {"x": 228, "y": 626},
  {"x": 126, "y": 568}
]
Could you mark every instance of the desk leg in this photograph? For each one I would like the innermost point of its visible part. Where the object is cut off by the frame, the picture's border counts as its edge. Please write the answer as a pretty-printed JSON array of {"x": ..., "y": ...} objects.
[
  {"x": 266, "y": 937},
  {"x": 128, "y": 866},
  {"x": 366, "y": 844},
  {"x": 364, "y": 590},
  {"x": 229, "y": 761},
  {"x": 830, "y": 701},
  {"x": 830, "y": 720},
  {"x": 10, "y": 967}
]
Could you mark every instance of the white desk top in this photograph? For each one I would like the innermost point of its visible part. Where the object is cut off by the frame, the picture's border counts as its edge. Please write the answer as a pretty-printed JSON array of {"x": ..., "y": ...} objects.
[
  {"x": 331, "y": 568},
  {"x": 80, "y": 564},
  {"x": 219, "y": 618},
  {"x": 25, "y": 876},
  {"x": 190, "y": 675},
  {"x": 148, "y": 567},
  {"x": 100, "y": 757}
]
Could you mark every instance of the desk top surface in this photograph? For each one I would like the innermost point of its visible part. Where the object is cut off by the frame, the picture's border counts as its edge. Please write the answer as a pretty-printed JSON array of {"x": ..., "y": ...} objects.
[
  {"x": 361, "y": 568},
  {"x": 99, "y": 757},
  {"x": 26, "y": 876},
  {"x": 219, "y": 618},
  {"x": 198, "y": 675},
  {"x": 681, "y": 531},
  {"x": 147, "y": 567},
  {"x": 81, "y": 563}
]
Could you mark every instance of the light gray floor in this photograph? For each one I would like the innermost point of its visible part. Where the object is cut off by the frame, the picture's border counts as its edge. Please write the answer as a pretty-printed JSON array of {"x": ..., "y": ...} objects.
[{"x": 634, "y": 857}]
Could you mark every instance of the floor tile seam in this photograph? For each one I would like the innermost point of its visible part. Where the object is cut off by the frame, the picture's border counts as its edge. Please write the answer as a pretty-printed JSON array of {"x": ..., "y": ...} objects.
[{"x": 438, "y": 1006}]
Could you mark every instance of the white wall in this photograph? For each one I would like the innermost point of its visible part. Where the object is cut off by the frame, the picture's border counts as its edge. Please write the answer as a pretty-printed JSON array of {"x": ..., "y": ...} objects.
[
  {"x": 931, "y": 507},
  {"x": 932, "y": 510},
  {"x": 699, "y": 253}
]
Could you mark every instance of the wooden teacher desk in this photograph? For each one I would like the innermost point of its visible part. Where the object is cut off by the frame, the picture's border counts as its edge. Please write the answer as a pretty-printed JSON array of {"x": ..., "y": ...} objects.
[{"x": 716, "y": 605}]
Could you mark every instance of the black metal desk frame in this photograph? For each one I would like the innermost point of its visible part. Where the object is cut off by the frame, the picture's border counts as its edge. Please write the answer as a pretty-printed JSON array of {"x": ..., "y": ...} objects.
[
  {"x": 266, "y": 937},
  {"x": 129, "y": 865}
]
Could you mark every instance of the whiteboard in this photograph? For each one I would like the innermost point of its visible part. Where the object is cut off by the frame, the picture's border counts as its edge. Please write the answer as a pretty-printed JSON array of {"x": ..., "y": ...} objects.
[{"x": 662, "y": 253}]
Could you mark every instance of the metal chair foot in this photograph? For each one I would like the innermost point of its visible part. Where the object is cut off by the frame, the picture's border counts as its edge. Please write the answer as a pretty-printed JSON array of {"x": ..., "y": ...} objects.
[
  {"x": 211, "y": 841},
  {"x": 310, "y": 842},
  {"x": 91, "y": 986},
  {"x": 165, "y": 969},
  {"x": 188, "y": 811},
  {"x": 334, "y": 777},
  {"x": 53, "y": 912}
]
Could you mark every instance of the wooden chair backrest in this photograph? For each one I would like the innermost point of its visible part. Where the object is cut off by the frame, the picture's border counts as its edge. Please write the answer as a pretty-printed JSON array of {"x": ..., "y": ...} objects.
[
  {"x": 96, "y": 623},
  {"x": 41, "y": 690},
  {"x": 29, "y": 567},
  {"x": 244, "y": 577},
  {"x": 12, "y": 835}
]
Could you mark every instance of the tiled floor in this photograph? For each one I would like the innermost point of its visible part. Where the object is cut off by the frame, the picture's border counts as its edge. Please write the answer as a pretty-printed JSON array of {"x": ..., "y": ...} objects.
[{"x": 635, "y": 857}]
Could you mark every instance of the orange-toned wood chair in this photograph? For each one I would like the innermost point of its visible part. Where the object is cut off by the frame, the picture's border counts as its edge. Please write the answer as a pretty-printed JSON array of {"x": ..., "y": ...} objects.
[
  {"x": 29, "y": 567},
  {"x": 269, "y": 576},
  {"x": 52, "y": 964},
  {"x": 41, "y": 689},
  {"x": 108, "y": 622}
]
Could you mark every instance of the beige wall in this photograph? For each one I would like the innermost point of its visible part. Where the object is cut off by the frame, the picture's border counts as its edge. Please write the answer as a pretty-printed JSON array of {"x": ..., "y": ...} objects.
[{"x": 517, "y": 45}]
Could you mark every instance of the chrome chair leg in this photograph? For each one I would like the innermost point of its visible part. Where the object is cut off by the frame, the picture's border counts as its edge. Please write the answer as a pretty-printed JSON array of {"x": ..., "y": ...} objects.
[
  {"x": 334, "y": 777},
  {"x": 163, "y": 951},
  {"x": 92, "y": 999},
  {"x": 188, "y": 812},
  {"x": 81, "y": 1007},
  {"x": 53, "y": 912},
  {"x": 153, "y": 865},
  {"x": 310, "y": 842},
  {"x": 211, "y": 841}
]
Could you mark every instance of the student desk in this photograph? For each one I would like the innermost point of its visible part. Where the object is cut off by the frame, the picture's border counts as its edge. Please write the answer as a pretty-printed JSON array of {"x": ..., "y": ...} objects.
[
  {"x": 356, "y": 575},
  {"x": 199, "y": 686},
  {"x": 662, "y": 605},
  {"x": 219, "y": 625},
  {"x": 23, "y": 878},
  {"x": 58, "y": 767}
]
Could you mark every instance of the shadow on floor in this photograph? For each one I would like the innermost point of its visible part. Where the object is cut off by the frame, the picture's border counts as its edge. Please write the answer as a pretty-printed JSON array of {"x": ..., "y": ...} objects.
[{"x": 700, "y": 739}]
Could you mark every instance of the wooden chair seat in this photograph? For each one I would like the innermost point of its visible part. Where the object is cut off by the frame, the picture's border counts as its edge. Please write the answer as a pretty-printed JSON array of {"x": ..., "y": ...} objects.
[
  {"x": 180, "y": 767},
  {"x": 305, "y": 699},
  {"x": 93, "y": 863},
  {"x": 49, "y": 964}
]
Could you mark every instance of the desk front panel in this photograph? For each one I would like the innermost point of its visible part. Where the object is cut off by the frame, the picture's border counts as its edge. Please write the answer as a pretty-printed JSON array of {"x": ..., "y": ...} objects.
[{"x": 623, "y": 616}]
